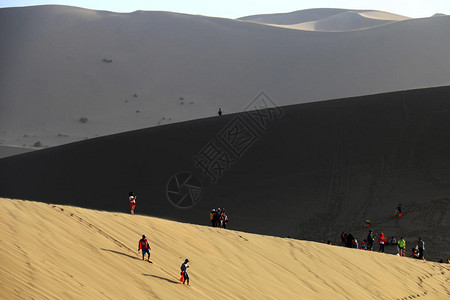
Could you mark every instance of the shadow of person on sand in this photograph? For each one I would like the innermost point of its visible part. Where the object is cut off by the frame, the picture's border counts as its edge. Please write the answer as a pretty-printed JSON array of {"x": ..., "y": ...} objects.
[
  {"x": 124, "y": 254},
  {"x": 162, "y": 278}
]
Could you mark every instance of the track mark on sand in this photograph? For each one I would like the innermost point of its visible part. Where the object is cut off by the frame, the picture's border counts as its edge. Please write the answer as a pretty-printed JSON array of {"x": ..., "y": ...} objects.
[
  {"x": 421, "y": 281},
  {"x": 108, "y": 236},
  {"x": 243, "y": 238},
  {"x": 430, "y": 125},
  {"x": 94, "y": 227}
]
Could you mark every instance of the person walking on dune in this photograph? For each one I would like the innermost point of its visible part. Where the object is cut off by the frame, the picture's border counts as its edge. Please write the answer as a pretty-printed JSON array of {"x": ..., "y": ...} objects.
[
  {"x": 349, "y": 241},
  {"x": 220, "y": 112},
  {"x": 393, "y": 241},
  {"x": 211, "y": 217},
  {"x": 184, "y": 273},
  {"x": 224, "y": 218},
  {"x": 421, "y": 246},
  {"x": 132, "y": 199},
  {"x": 216, "y": 218},
  {"x": 145, "y": 247},
  {"x": 398, "y": 211},
  {"x": 370, "y": 239},
  {"x": 402, "y": 247},
  {"x": 381, "y": 242}
]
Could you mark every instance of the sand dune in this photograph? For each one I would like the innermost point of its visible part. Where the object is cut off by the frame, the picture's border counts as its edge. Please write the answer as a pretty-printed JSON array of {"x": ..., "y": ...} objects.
[
  {"x": 319, "y": 169},
  {"x": 54, "y": 251},
  {"x": 6, "y": 151},
  {"x": 120, "y": 72},
  {"x": 381, "y": 15},
  {"x": 306, "y": 171},
  {"x": 295, "y": 17},
  {"x": 328, "y": 19},
  {"x": 341, "y": 22}
]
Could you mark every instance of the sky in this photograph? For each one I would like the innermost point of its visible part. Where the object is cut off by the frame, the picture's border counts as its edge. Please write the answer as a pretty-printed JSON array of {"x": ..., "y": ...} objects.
[{"x": 240, "y": 8}]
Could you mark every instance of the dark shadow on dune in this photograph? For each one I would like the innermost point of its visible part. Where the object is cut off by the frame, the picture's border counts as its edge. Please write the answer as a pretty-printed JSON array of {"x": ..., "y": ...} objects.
[
  {"x": 162, "y": 278},
  {"x": 334, "y": 163},
  {"x": 117, "y": 252}
]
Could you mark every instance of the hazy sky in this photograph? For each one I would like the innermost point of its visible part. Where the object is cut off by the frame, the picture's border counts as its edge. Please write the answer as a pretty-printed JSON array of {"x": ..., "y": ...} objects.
[{"x": 240, "y": 8}]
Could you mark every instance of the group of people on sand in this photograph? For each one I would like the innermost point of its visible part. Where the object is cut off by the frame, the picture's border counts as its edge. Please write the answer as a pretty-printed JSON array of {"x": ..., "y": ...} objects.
[
  {"x": 144, "y": 246},
  {"x": 348, "y": 240},
  {"x": 219, "y": 218}
]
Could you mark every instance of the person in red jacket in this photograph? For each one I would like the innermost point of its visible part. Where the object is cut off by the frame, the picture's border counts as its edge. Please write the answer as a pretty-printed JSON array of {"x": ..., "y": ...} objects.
[
  {"x": 381, "y": 242},
  {"x": 145, "y": 247}
]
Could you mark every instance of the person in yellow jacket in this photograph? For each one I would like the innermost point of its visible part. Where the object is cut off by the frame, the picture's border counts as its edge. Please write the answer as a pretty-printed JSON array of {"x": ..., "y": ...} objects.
[
  {"x": 402, "y": 247},
  {"x": 211, "y": 216}
]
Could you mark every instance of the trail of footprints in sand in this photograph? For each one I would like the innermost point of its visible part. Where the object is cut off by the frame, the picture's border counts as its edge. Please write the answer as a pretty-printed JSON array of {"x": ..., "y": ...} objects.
[
  {"x": 96, "y": 228},
  {"x": 421, "y": 279},
  {"x": 429, "y": 125},
  {"x": 102, "y": 232}
]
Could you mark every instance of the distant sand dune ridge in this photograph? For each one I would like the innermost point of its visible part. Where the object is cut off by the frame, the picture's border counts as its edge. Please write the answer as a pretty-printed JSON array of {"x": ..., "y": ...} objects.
[
  {"x": 122, "y": 72},
  {"x": 343, "y": 22},
  {"x": 316, "y": 14},
  {"x": 335, "y": 20}
]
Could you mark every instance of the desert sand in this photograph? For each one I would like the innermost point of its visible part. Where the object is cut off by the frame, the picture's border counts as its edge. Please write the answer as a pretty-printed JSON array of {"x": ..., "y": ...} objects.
[
  {"x": 331, "y": 20},
  {"x": 317, "y": 14},
  {"x": 123, "y": 102},
  {"x": 310, "y": 173},
  {"x": 6, "y": 151},
  {"x": 54, "y": 251},
  {"x": 118, "y": 72}
]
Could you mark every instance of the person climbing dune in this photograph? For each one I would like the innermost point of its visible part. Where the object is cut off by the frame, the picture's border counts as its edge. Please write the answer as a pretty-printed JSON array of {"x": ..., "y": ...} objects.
[
  {"x": 421, "y": 248},
  {"x": 370, "y": 240},
  {"x": 145, "y": 247},
  {"x": 398, "y": 211},
  {"x": 401, "y": 247},
  {"x": 381, "y": 242}
]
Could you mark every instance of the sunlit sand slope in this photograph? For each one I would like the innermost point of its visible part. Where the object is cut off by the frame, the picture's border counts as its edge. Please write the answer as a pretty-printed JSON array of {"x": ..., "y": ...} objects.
[
  {"x": 61, "y": 252},
  {"x": 323, "y": 19}
]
